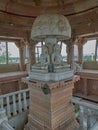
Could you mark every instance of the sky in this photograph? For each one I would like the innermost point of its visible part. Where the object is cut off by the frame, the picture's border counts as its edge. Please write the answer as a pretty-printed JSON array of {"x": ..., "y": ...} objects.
[
  {"x": 63, "y": 52},
  {"x": 89, "y": 47},
  {"x": 13, "y": 50}
]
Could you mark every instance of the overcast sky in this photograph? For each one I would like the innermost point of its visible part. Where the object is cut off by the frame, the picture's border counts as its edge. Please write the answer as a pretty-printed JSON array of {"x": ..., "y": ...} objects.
[
  {"x": 89, "y": 47},
  {"x": 13, "y": 50}
]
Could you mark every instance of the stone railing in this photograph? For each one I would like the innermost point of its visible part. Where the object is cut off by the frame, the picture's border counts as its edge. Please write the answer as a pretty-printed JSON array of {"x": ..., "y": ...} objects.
[
  {"x": 15, "y": 102},
  {"x": 6, "y": 126},
  {"x": 87, "y": 113}
]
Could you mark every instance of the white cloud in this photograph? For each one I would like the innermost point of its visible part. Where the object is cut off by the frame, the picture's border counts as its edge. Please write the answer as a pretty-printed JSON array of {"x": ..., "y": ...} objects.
[{"x": 89, "y": 47}]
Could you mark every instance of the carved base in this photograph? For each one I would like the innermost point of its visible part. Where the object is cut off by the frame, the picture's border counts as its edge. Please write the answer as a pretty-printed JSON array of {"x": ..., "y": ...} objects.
[
  {"x": 51, "y": 76},
  {"x": 69, "y": 125},
  {"x": 53, "y": 110}
]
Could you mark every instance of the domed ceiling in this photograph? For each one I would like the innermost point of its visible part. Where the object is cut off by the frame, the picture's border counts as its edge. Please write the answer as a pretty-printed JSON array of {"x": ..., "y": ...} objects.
[{"x": 17, "y": 16}]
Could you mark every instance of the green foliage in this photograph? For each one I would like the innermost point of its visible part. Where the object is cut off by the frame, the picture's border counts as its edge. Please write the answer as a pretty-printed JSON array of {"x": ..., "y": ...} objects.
[
  {"x": 10, "y": 59},
  {"x": 37, "y": 59},
  {"x": 64, "y": 58},
  {"x": 87, "y": 58},
  {"x": 2, "y": 59},
  {"x": 13, "y": 59}
]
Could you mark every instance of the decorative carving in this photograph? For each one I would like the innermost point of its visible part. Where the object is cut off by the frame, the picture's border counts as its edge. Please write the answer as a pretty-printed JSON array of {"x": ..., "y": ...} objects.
[
  {"x": 56, "y": 56},
  {"x": 44, "y": 61},
  {"x": 44, "y": 57},
  {"x": 46, "y": 89},
  {"x": 51, "y": 28},
  {"x": 58, "y": 64}
]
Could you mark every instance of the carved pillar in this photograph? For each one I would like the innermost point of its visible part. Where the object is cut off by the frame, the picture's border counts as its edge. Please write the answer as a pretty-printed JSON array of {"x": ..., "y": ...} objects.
[
  {"x": 31, "y": 46},
  {"x": 80, "y": 43},
  {"x": 80, "y": 53},
  {"x": 70, "y": 53},
  {"x": 96, "y": 49},
  {"x": 21, "y": 46},
  {"x": 22, "y": 55}
]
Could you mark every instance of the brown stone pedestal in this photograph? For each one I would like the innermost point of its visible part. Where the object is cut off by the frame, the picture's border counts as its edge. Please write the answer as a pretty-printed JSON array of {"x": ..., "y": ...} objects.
[{"x": 51, "y": 111}]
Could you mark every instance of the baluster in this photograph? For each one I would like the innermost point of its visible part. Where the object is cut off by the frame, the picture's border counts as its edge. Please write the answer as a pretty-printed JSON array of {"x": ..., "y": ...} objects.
[
  {"x": 20, "y": 103},
  {"x": 14, "y": 105},
  {"x": 6, "y": 126},
  {"x": 1, "y": 103},
  {"x": 8, "y": 106},
  {"x": 24, "y": 101}
]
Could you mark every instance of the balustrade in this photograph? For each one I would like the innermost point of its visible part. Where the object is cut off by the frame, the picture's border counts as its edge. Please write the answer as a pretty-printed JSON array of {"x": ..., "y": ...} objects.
[
  {"x": 15, "y": 102},
  {"x": 88, "y": 114}
]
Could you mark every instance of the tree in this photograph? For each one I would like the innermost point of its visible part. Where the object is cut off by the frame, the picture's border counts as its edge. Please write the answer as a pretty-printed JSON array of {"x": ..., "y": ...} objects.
[{"x": 2, "y": 52}]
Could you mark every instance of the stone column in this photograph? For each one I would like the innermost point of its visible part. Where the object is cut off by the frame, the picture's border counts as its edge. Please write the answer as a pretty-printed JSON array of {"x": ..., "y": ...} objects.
[
  {"x": 21, "y": 46},
  {"x": 96, "y": 49},
  {"x": 80, "y": 53},
  {"x": 70, "y": 53},
  {"x": 22, "y": 55},
  {"x": 32, "y": 52},
  {"x": 80, "y": 43},
  {"x": 31, "y": 45}
]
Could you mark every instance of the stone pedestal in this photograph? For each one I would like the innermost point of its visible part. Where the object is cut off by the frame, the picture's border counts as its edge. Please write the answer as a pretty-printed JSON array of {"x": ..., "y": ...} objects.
[{"x": 50, "y": 106}]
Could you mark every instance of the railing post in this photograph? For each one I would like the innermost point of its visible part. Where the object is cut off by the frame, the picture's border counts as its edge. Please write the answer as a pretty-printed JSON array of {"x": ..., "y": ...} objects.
[
  {"x": 24, "y": 101},
  {"x": 1, "y": 103},
  {"x": 20, "y": 103},
  {"x": 8, "y": 107},
  {"x": 13, "y": 102},
  {"x": 14, "y": 105}
]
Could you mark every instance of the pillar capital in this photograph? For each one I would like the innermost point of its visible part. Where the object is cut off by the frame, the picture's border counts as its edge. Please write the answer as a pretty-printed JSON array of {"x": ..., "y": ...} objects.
[{"x": 80, "y": 41}]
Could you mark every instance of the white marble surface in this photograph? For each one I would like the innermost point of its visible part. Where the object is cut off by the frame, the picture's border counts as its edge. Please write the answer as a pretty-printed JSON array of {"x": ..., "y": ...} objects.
[{"x": 51, "y": 76}]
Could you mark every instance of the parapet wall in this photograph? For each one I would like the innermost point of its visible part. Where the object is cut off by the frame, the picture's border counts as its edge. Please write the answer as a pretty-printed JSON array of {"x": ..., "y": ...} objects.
[
  {"x": 91, "y": 65},
  {"x": 4, "y": 68}
]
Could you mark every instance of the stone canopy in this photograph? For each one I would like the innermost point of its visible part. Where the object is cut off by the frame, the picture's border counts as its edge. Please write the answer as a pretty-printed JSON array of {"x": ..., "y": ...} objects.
[{"x": 51, "y": 25}]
